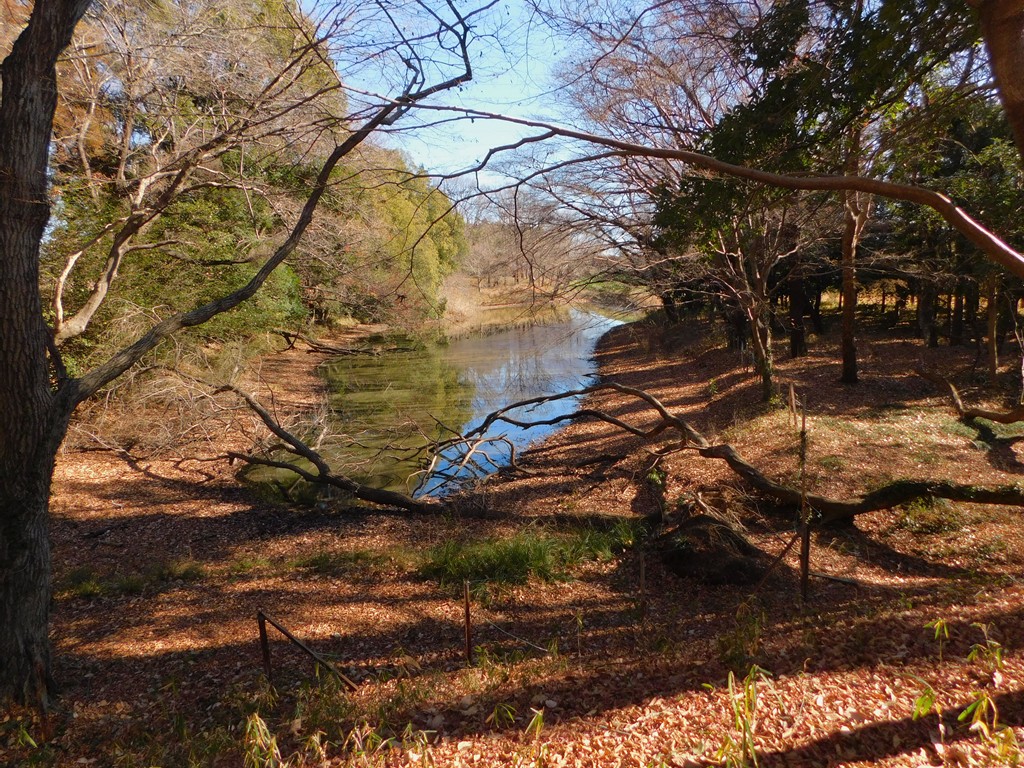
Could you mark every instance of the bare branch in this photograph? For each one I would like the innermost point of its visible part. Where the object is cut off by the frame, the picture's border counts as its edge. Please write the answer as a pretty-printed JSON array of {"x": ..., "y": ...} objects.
[
  {"x": 967, "y": 413},
  {"x": 991, "y": 245},
  {"x": 829, "y": 510},
  {"x": 323, "y": 475}
]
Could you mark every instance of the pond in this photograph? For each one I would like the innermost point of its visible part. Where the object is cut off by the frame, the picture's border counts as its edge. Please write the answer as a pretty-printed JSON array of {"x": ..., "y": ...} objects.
[{"x": 391, "y": 405}]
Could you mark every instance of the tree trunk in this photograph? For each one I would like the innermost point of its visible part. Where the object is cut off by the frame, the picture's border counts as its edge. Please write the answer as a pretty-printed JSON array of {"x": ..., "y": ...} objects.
[
  {"x": 764, "y": 361},
  {"x": 856, "y": 210},
  {"x": 815, "y": 309},
  {"x": 956, "y": 322},
  {"x": 972, "y": 302},
  {"x": 673, "y": 312},
  {"x": 33, "y": 412},
  {"x": 856, "y": 217},
  {"x": 797, "y": 310},
  {"x": 25, "y": 583},
  {"x": 1002, "y": 26},
  {"x": 928, "y": 295},
  {"x": 992, "y": 316}
]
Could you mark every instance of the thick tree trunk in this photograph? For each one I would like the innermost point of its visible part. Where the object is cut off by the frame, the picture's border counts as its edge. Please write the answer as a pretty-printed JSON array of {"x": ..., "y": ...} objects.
[
  {"x": 25, "y": 587},
  {"x": 1002, "y": 26},
  {"x": 34, "y": 396}
]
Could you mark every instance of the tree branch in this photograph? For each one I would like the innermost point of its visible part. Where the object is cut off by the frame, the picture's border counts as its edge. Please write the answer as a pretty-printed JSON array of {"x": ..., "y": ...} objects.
[
  {"x": 991, "y": 245},
  {"x": 323, "y": 475},
  {"x": 829, "y": 510},
  {"x": 121, "y": 361},
  {"x": 967, "y": 413}
]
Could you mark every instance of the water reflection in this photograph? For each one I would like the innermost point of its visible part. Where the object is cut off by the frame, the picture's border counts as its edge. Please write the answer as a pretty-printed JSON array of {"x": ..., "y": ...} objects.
[{"x": 395, "y": 403}]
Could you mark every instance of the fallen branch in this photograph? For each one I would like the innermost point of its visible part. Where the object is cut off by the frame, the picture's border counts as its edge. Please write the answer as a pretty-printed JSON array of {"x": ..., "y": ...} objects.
[
  {"x": 967, "y": 413},
  {"x": 319, "y": 347},
  {"x": 828, "y": 510},
  {"x": 323, "y": 474}
]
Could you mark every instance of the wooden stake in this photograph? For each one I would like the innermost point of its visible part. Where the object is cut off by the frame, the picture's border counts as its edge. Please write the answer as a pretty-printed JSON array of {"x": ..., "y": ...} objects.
[
  {"x": 261, "y": 621},
  {"x": 805, "y": 519},
  {"x": 643, "y": 587},
  {"x": 469, "y": 625}
]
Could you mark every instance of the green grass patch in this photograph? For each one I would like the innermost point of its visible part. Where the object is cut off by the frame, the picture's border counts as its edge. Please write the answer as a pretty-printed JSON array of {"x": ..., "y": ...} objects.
[
  {"x": 832, "y": 463},
  {"x": 931, "y": 516},
  {"x": 529, "y": 554},
  {"x": 177, "y": 570},
  {"x": 248, "y": 564},
  {"x": 335, "y": 563},
  {"x": 84, "y": 582}
]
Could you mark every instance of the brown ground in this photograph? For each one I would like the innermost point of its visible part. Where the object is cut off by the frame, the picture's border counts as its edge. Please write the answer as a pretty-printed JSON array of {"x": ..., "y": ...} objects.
[{"x": 160, "y": 566}]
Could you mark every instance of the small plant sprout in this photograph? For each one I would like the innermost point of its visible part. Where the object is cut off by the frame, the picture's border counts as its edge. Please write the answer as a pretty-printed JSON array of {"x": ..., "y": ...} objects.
[
  {"x": 941, "y": 628},
  {"x": 536, "y": 725},
  {"x": 23, "y": 738},
  {"x": 983, "y": 715},
  {"x": 503, "y": 715},
  {"x": 988, "y": 653},
  {"x": 365, "y": 743},
  {"x": 926, "y": 701},
  {"x": 538, "y": 750},
  {"x": 740, "y": 750},
  {"x": 416, "y": 744},
  {"x": 261, "y": 750}
]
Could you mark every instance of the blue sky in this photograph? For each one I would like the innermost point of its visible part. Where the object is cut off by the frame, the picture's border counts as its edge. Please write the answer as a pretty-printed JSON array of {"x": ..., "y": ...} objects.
[{"x": 513, "y": 78}]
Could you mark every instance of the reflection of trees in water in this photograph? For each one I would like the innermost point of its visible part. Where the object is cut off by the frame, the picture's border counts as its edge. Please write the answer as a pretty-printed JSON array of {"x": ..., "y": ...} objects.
[{"x": 390, "y": 406}]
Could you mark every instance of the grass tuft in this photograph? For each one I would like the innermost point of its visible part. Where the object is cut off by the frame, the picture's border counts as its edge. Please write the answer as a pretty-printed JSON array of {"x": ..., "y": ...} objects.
[
  {"x": 931, "y": 516},
  {"x": 528, "y": 554}
]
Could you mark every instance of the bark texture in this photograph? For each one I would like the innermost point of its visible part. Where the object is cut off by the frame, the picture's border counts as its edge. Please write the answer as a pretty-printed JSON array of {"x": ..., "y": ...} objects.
[
  {"x": 1002, "y": 26},
  {"x": 34, "y": 395}
]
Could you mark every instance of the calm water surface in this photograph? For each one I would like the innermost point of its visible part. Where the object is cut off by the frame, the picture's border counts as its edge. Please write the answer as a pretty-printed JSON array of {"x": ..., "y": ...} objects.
[{"x": 392, "y": 404}]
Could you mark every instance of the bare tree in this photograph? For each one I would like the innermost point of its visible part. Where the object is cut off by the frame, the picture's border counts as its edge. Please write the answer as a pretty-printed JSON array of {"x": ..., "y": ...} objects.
[
  {"x": 154, "y": 99},
  {"x": 37, "y": 394}
]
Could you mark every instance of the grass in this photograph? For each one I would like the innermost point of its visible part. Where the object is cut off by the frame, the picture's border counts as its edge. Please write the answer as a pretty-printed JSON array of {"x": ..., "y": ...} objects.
[
  {"x": 248, "y": 564},
  {"x": 931, "y": 516},
  {"x": 832, "y": 463},
  {"x": 336, "y": 563},
  {"x": 86, "y": 583},
  {"x": 532, "y": 553}
]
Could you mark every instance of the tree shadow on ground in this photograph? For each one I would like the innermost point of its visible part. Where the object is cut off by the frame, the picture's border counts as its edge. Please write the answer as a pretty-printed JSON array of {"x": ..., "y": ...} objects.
[
  {"x": 999, "y": 450},
  {"x": 673, "y": 649}
]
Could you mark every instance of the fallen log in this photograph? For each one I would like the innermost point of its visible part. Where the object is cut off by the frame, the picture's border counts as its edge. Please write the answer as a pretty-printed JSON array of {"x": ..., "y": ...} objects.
[
  {"x": 828, "y": 510},
  {"x": 967, "y": 413}
]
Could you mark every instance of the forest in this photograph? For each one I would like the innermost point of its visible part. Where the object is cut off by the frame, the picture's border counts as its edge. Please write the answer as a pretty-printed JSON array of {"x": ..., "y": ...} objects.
[{"x": 779, "y": 523}]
